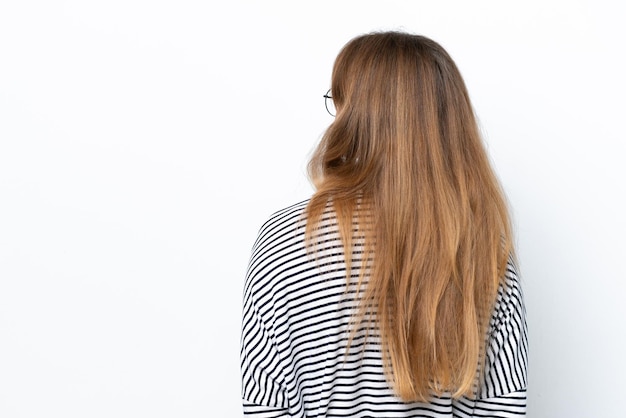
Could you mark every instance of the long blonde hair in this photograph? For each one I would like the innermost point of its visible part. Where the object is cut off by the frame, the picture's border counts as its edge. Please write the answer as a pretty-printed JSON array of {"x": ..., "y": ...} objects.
[{"x": 404, "y": 161}]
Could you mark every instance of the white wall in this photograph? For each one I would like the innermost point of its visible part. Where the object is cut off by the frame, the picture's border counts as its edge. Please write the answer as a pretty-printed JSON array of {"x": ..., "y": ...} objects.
[{"x": 143, "y": 143}]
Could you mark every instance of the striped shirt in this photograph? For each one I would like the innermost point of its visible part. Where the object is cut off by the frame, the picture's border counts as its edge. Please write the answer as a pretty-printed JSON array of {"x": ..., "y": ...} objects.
[{"x": 295, "y": 360}]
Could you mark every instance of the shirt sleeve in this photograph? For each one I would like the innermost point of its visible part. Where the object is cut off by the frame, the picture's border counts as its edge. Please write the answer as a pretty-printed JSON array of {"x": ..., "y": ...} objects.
[
  {"x": 502, "y": 388},
  {"x": 263, "y": 395},
  {"x": 511, "y": 405},
  {"x": 506, "y": 354}
]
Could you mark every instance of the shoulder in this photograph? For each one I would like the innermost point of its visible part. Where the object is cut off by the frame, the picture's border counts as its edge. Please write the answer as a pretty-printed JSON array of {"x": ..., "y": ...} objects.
[
  {"x": 285, "y": 220},
  {"x": 284, "y": 216},
  {"x": 280, "y": 235}
]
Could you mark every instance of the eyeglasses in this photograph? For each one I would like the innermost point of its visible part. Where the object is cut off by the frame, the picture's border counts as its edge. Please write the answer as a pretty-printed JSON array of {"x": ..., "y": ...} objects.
[{"x": 330, "y": 104}]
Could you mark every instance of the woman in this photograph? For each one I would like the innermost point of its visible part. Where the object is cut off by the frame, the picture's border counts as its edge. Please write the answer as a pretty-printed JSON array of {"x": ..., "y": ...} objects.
[{"x": 392, "y": 292}]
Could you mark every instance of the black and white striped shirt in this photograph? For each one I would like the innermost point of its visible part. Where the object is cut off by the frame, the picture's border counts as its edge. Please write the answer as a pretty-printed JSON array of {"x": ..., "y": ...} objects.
[{"x": 295, "y": 328}]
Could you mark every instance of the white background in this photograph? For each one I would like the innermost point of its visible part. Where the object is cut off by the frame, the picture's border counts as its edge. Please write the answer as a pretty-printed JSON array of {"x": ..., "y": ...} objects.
[{"x": 143, "y": 143}]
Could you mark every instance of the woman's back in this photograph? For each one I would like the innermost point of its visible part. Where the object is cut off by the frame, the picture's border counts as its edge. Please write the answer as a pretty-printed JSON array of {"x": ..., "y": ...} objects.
[{"x": 296, "y": 324}]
